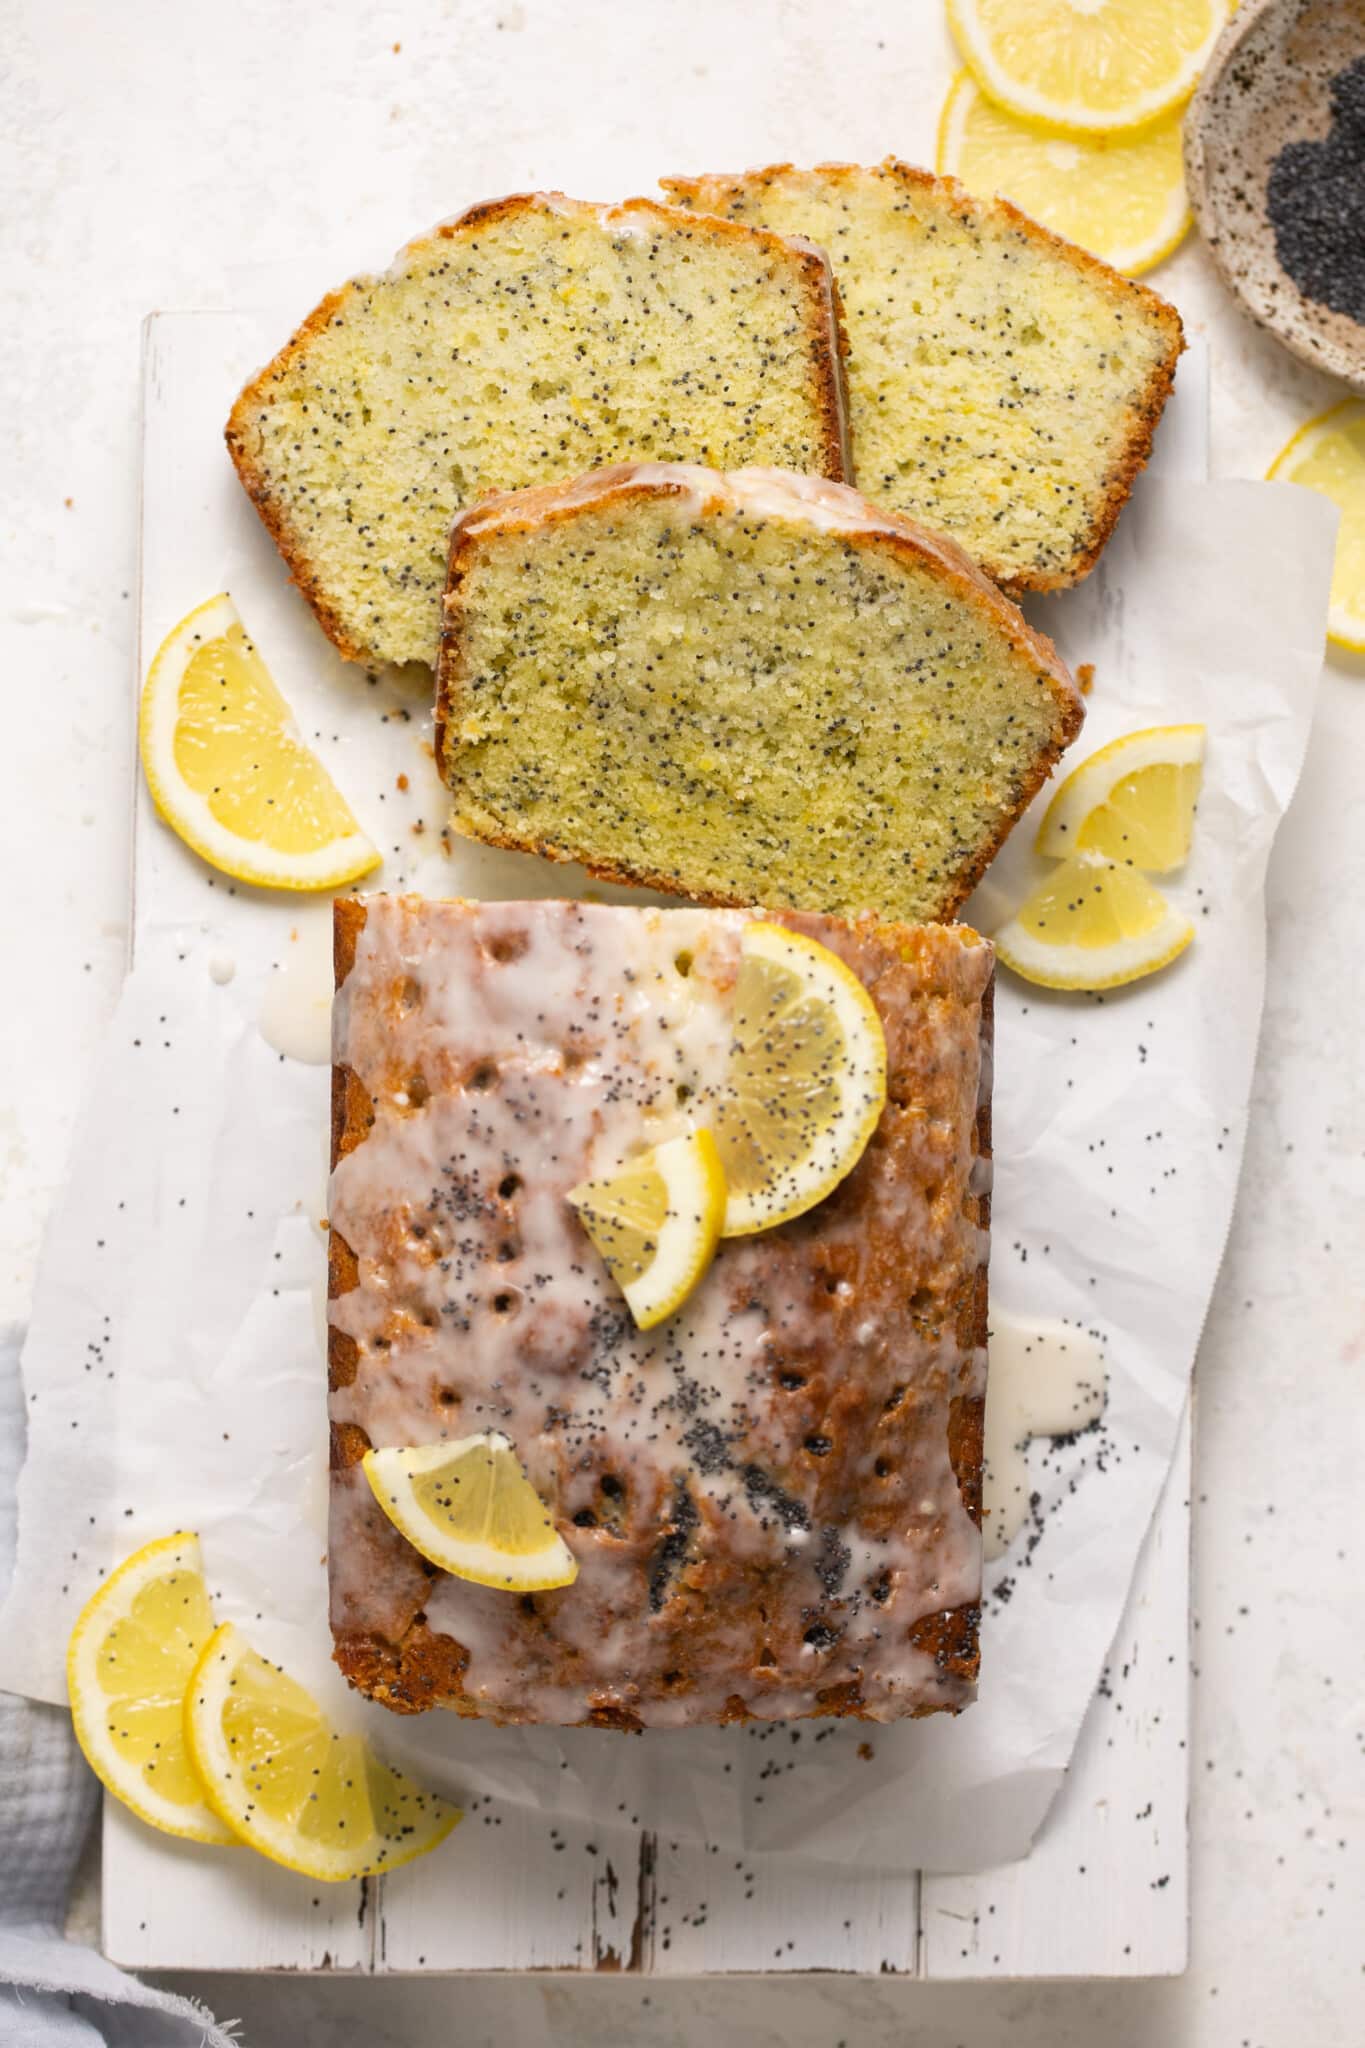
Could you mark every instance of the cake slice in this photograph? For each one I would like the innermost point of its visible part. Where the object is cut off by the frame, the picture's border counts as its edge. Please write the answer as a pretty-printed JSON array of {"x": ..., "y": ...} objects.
[
  {"x": 754, "y": 688},
  {"x": 774, "y": 1497},
  {"x": 1004, "y": 386},
  {"x": 529, "y": 338}
]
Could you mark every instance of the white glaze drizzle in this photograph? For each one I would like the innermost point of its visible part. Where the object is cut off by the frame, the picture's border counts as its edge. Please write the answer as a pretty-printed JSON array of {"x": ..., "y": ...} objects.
[
  {"x": 583, "y": 1028},
  {"x": 1046, "y": 1379},
  {"x": 296, "y": 1005}
]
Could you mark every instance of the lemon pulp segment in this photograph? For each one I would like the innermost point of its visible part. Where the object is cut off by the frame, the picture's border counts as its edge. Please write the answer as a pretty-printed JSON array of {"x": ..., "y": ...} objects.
[
  {"x": 1122, "y": 198},
  {"x": 291, "y": 1785},
  {"x": 1327, "y": 455},
  {"x": 1092, "y": 924},
  {"x": 228, "y": 770},
  {"x": 657, "y": 1221},
  {"x": 806, "y": 1081},
  {"x": 131, "y": 1653},
  {"x": 469, "y": 1507}
]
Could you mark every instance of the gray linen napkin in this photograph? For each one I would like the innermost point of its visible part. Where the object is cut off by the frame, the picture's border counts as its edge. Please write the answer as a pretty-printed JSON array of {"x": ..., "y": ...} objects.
[{"x": 55, "y": 1993}]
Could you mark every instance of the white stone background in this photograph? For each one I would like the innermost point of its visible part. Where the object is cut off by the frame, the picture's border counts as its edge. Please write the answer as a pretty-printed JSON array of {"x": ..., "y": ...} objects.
[{"x": 171, "y": 153}]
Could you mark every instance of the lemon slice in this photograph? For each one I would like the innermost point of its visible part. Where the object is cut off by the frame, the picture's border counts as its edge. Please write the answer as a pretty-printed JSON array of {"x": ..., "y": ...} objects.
[
  {"x": 656, "y": 1222},
  {"x": 288, "y": 1783},
  {"x": 1132, "y": 801},
  {"x": 1124, "y": 200},
  {"x": 469, "y": 1508},
  {"x": 1087, "y": 67},
  {"x": 1092, "y": 925},
  {"x": 227, "y": 769},
  {"x": 131, "y": 1653},
  {"x": 1328, "y": 455},
  {"x": 806, "y": 1080}
]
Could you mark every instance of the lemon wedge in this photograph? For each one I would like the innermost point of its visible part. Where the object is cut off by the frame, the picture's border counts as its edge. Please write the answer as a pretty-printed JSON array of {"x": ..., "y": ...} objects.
[
  {"x": 1087, "y": 67},
  {"x": 469, "y": 1508},
  {"x": 227, "y": 769},
  {"x": 1132, "y": 801},
  {"x": 1124, "y": 199},
  {"x": 288, "y": 1783},
  {"x": 806, "y": 1080},
  {"x": 656, "y": 1222},
  {"x": 1328, "y": 455},
  {"x": 131, "y": 1653},
  {"x": 1092, "y": 925}
]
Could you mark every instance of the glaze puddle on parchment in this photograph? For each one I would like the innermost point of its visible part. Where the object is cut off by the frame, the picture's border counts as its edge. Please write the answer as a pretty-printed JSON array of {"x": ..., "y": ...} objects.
[
  {"x": 1045, "y": 1378},
  {"x": 296, "y": 1009}
]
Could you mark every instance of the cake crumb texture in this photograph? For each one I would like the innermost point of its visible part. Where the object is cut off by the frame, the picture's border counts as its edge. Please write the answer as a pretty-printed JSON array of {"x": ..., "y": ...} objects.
[
  {"x": 1004, "y": 385},
  {"x": 529, "y": 338},
  {"x": 747, "y": 689}
]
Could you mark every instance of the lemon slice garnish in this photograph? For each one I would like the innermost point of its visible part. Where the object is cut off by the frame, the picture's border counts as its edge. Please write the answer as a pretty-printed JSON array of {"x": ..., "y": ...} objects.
[
  {"x": 806, "y": 1080},
  {"x": 1087, "y": 66},
  {"x": 228, "y": 770},
  {"x": 1132, "y": 801},
  {"x": 288, "y": 1783},
  {"x": 1328, "y": 455},
  {"x": 469, "y": 1508},
  {"x": 656, "y": 1222},
  {"x": 1092, "y": 925},
  {"x": 1124, "y": 200},
  {"x": 129, "y": 1661}
]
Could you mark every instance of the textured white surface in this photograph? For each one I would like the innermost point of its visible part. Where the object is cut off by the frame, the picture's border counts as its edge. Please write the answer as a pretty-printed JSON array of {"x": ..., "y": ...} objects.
[{"x": 160, "y": 156}]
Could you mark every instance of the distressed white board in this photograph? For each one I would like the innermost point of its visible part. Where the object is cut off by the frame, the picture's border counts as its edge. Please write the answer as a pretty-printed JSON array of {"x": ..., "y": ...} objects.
[{"x": 1104, "y": 1891}]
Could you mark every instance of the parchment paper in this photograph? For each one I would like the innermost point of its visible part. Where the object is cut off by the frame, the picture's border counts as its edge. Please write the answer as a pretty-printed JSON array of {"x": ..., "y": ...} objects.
[{"x": 174, "y": 1364}]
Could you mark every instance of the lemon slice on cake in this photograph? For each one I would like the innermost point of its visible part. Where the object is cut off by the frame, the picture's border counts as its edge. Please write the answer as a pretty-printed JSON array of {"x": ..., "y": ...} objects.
[
  {"x": 469, "y": 1508},
  {"x": 290, "y": 1784},
  {"x": 1132, "y": 801},
  {"x": 1092, "y": 924},
  {"x": 1087, "y": 66},
  {"x": 806, "y": 1081},
  {"x": 1124, "y": 199},
  {"x": 1328, "y": 455},
  {"x": 129, "y": 1661},
  {"x": 227, "y": 769},
  {"x": 656, "y": 1222}
]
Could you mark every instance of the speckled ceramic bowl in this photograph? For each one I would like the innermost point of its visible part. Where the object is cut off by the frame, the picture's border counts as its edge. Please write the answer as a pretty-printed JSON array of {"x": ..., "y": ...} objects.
[{"x": 1268, "y": 83}]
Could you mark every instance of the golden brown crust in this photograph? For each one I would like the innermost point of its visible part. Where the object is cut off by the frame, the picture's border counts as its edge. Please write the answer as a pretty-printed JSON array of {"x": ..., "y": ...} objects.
[
  {"x": 526, "y": 511},
  {"x": 414, "y": 1667},
  {"x": 827, "y": 342},
  {"x": 1132, "y": 457}
]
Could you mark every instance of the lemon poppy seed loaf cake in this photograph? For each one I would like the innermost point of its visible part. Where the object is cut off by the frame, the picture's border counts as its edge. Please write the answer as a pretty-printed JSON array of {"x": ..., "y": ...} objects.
[
  {"x": 528, "y": 339},
  {"x": 753, "y": 688},
  {"x": 1004, "y": 386},
  {"x": 773, "y": 1498}
]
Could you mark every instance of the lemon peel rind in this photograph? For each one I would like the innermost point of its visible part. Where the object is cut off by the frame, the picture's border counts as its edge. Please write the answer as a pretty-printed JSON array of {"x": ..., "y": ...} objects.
[
  {"x": 1047, "y": 118},
  {"x": 188, "y": 814},
  {"x": 694, "y": 1180},
  {"x": 1038, "y": 963},
  {"x": 390, "y": 1473},
  {"x": 1344, "y": 629},
  {"x": 209, "y": 1751},
  {"x": 748, "y": 1214},
  {"x": 1086, "y": 789},
  {"x": 181, "y": 1551},
  {"x": 949, "y": 144}
]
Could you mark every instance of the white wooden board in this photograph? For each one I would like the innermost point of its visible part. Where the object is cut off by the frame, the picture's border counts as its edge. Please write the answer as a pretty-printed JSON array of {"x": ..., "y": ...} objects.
[{"x": 1104, "y": 1892}]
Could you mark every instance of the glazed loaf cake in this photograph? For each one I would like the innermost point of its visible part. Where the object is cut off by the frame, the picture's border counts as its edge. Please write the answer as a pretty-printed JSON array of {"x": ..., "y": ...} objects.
[
  {"x": 754, "y": 688},
  {"x": 528, "y": 339},
  {"x": 773, "y": 1497},
  {"x": 1004, "y": 386}
]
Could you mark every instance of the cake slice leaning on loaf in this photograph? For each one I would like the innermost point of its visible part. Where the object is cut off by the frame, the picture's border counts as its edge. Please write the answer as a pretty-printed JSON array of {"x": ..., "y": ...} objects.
[
  {"x": 1004, "y": 385},
  {"x": 753, "y": 688},
  {"x": 529, "y": 338}
]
